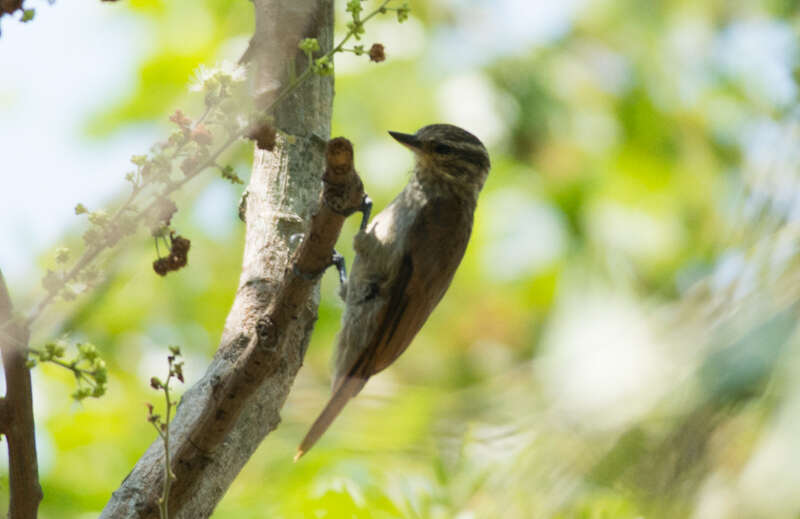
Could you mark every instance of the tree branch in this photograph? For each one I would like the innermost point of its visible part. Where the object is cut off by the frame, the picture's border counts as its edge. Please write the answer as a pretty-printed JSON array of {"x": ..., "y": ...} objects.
[
  {"x": 224, "y": 416},
  {"x": 17, "y": 414},
  {"x": 3, "y": 415}
]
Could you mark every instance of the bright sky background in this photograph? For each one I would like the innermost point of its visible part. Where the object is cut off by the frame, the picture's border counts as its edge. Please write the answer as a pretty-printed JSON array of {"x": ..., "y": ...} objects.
[{"x": 57, "y": 70}]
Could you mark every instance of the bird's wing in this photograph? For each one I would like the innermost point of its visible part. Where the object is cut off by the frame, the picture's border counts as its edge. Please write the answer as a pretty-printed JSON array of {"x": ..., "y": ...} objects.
[{"x": 437, "y": 242}]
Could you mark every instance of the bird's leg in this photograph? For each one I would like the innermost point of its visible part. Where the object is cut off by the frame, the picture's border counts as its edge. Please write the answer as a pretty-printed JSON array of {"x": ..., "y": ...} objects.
[
  {"x": 366, "y": 209},
  {"x": 337, "y": 260}
]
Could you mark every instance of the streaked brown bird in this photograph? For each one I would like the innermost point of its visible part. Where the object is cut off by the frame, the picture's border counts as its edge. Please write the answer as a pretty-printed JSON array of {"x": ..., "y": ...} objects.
[{"x": 405, "y": 260}]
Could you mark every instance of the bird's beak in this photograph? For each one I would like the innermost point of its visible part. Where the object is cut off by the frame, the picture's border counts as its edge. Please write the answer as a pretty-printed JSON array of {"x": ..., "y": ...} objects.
[{"x": 407, "y": 140}]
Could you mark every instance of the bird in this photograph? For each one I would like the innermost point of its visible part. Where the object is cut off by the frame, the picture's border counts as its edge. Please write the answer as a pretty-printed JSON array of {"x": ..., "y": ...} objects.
[{"x": 405, "y": 260}]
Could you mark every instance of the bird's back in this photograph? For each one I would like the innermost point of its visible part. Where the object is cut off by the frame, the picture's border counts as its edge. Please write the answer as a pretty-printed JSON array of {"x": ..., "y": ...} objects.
[{"x": 405, "y": 262}]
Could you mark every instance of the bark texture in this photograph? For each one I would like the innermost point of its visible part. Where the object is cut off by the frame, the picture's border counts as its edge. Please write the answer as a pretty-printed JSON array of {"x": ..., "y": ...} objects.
[{"x": 223, "y": 418}]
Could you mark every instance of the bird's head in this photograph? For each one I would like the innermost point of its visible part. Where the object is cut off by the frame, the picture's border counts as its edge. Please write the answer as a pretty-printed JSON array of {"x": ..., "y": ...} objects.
[{"x": 448, "y": 153}]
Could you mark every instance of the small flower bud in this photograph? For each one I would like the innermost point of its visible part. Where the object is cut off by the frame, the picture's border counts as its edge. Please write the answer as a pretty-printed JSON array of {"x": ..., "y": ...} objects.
[
  {"x": 62, "y": 255},
  {"x": 180, "y": 119},
  {"x": 376, "y": 53},
  {"x": 309, "y": 45},
  {"x": 161, "y": 266},
  {"x": 139, "y": 160},
  {"x": 188, "y": 165},
  {"x": 201, "y": 135},
  {"x": 402, "y": 13},
  {"x": 264, "y": 135},
  {"x": 180, "y": 245}
]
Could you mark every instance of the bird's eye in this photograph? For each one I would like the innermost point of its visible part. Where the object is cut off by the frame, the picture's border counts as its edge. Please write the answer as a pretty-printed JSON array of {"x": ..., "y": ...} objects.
[{"x": 443, "y": 149}]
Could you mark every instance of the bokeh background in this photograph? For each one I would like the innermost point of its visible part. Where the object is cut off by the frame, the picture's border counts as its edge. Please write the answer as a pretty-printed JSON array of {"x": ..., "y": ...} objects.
[{"x": 619, "y": 341}]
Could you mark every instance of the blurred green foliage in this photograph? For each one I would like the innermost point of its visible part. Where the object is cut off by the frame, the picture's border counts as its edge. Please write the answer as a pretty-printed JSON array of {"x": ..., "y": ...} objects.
[{"x": 613, "y": 344}]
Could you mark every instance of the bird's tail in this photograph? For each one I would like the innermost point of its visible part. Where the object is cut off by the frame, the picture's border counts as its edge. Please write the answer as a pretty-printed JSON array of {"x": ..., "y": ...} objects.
[{"x": 344, "y": 391}]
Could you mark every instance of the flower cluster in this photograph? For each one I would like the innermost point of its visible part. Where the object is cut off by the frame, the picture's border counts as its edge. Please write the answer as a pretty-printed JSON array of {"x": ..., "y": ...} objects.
[
  {"x": 177, "y": 257},
  {"x": 188, "y": 150},
  {"x": 89, "y": 369}
]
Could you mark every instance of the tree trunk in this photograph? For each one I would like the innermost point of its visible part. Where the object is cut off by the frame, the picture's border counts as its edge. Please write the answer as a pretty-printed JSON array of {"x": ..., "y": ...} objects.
[{"x": 278, "y": 203}]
